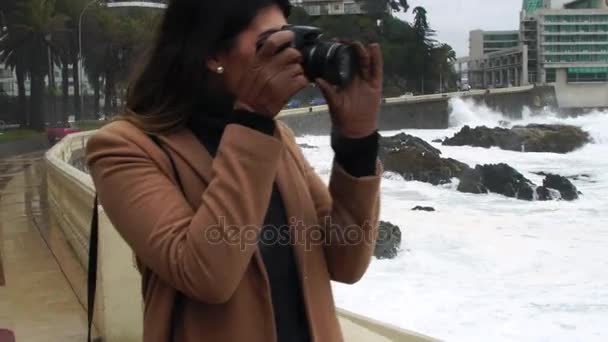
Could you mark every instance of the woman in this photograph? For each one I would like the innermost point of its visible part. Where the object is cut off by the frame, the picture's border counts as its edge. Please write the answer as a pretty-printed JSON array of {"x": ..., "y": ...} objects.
[{"x": 236, "y": 237}]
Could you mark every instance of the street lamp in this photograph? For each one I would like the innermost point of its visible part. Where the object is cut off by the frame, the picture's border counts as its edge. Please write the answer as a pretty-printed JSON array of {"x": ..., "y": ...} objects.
[
  {"x": 3, "y": 22},
  {"x": 80, "y": 52}
]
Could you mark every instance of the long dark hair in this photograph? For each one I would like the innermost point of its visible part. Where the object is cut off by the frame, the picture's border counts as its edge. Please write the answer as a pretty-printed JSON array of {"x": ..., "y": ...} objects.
[{"x": 174, "y": 81}]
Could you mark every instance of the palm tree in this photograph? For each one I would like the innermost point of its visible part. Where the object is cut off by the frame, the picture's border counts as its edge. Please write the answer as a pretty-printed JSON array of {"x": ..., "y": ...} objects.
[
  {"x": 14, "y": 61},
  {"x": 443, "y": 56},
  {"x": 115, "y": 41},
  {"x": 69, "y": 54},
  {"x": 28, "y": 43}
]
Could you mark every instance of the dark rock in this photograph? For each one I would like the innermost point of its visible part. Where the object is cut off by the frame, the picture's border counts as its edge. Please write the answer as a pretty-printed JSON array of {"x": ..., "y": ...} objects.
[
  {"x": 566, "y": 189},
  {"x": 509, "y": 190},
  {"x": 504, "y": 123},
  {"x": 470, "y": 182},
  {"x": 308, "y": 146},
  {"x": 579, "y": 177},
  {"x": 404, "y": 141},
  {"x": 437, "y": 141},
  {"x": 389, "y": 241},
  {"x": 526, "y": 192},
  {"x": 530, "y": 138},
  {"x": 499, "y": 178},
  {"x": 415, "y": 159},
  {"x": 582, "y": 176},
  {"x": 419, "y": 208},
  {"x": 503, "y": 179},
  {"x": 544, "y": 194}
]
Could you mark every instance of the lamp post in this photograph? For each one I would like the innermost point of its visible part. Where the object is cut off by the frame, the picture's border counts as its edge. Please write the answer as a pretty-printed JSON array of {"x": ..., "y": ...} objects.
[
  {"x": 80, "y": 53},
  {"x": 3, "y": 28}
]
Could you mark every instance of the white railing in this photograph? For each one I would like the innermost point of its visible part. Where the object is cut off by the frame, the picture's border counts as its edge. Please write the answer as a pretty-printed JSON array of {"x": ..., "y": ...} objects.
[{"x": 119, "y": 314}]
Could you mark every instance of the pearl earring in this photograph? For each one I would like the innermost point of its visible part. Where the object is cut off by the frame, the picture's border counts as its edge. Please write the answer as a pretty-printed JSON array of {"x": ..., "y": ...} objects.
[{"x": 220, "y": 70}]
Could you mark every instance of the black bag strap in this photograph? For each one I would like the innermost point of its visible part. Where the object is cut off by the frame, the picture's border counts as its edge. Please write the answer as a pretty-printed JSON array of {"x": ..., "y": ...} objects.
[
  {"x": 94, "y": 244},
  {"x": 92, "y": 271}
]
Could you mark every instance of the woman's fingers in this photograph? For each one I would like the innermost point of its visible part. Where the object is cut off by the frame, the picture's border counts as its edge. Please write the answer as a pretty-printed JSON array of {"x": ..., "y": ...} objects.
[
  {"x": 364, "y": 60},
  {"x": 377, "y": 64},
  {"x": 288, "y": 56},
  {"x": 274, "y": 42},
  {"x": 328, "y": 90}
]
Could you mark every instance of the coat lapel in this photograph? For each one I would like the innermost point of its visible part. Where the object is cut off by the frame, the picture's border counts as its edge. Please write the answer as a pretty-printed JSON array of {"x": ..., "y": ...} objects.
[{"x": 185, "y": 144}]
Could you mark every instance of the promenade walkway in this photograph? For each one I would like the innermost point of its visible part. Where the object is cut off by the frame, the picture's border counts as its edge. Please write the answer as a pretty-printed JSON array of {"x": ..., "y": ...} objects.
[{"x": 37, "y": 303}]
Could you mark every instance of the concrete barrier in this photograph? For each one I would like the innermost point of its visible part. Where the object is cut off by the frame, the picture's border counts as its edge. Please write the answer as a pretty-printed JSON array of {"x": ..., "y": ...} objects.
[
  {"x": 119, "y": 306},
  {"x": 426, "y": 111}
]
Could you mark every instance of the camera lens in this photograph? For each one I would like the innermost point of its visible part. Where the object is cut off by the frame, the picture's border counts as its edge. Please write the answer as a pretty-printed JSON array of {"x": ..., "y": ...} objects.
[{"x": 334, "y": 62}]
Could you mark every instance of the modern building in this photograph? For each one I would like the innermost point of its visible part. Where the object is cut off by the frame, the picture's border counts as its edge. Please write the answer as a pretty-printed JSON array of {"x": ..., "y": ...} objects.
[
  {"x": 500, "y": 69},
  {"x": 483, "y": 42},
  {"x": 565, "y": 46},
  {"x": 329, "y": 7}
]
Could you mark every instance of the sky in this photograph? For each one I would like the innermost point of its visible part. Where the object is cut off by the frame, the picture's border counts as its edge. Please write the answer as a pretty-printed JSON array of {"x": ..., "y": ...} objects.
[{"x": 453, "y": 19}]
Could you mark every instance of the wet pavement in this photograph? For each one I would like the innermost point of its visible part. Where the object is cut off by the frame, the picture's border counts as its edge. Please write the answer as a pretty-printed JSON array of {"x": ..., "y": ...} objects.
[{"x": 37, "y": 302}]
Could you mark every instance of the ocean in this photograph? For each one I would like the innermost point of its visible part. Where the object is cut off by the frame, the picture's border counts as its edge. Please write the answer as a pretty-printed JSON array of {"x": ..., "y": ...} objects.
[{"x": 488, "y": 267}]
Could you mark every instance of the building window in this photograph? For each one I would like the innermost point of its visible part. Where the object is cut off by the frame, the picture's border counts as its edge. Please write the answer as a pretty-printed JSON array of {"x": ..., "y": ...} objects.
[
  {"x": 351, "y": 8},
  {"x": 314, "y": 10},
  {"x": 587, "y": 77},
  {"x": 550, "y": 75}
]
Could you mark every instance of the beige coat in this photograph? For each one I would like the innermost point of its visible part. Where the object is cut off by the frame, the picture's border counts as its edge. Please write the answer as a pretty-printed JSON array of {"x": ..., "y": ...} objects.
[{"x": 217, "y": 289}]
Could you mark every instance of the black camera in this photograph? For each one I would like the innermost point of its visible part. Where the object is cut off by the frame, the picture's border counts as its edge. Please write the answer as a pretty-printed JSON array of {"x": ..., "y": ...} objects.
[{"x": 334, "y": 62}]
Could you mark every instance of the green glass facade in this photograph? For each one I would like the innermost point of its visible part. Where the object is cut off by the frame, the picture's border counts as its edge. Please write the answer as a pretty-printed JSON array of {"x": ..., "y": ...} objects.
[
  {"x": 530, "y": 6},
  {"x": 577, "y": 48},
  {"x": 576, "y": 39},
  {"x": 501, "y": 37},
  {"x": 576, "y": 18},
  {"x": 588, "y": 38},
  {"x": 600, "y": 58},
  {"x": 584, "y": 4},
  {"x": 601, "y": 28}
]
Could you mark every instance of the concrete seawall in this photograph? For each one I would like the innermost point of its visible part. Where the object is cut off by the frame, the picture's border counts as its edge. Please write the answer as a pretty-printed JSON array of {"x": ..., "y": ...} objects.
[{"x": 427, "y": 111}]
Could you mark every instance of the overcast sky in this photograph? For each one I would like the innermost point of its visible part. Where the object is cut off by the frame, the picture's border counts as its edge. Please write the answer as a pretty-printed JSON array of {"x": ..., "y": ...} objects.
[{"x": 453, "y": 19}]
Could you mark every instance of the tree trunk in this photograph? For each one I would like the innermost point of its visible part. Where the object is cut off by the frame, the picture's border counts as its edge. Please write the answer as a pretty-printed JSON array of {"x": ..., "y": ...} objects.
[
  {"x": 97, "y": 87},
  {"x": 77, "y": 106},
  {"x": 109, "y": 94},
  {"x": 23, "y": 111},
  {"x": 37, "y": 98},
  {"x": 65, "y": 89}
]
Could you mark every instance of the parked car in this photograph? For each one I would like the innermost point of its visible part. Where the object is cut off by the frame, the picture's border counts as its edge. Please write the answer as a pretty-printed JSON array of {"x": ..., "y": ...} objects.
[
  {"x": 58, "y": 131},
  {"x": 408, "y": 94},
  {"x": 465, "y": 87},
  {"x": 317, "y": 101}
]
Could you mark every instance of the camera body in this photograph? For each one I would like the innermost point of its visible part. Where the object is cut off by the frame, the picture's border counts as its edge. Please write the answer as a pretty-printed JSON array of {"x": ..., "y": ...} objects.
[{"x": 334, "y": 62}]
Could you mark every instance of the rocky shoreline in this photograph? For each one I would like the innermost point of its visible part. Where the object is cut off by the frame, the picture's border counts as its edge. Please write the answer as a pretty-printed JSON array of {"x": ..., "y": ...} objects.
[
  {"x": 415, "y": 159},
  {"x": 530, "y": 138}
]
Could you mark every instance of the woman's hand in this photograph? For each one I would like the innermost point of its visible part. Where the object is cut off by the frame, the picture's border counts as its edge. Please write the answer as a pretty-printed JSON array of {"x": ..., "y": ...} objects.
[
  {"x": 272, "y": 77},
  {"x": 354, "y": 110}
]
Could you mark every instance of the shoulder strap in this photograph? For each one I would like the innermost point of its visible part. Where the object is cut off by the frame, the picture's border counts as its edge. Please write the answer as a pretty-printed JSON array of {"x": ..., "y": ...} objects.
[
  {"x": 94, "y": 243},
  {"x": 92, "y": 270},
  {"x": 173, "y": 167}
]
